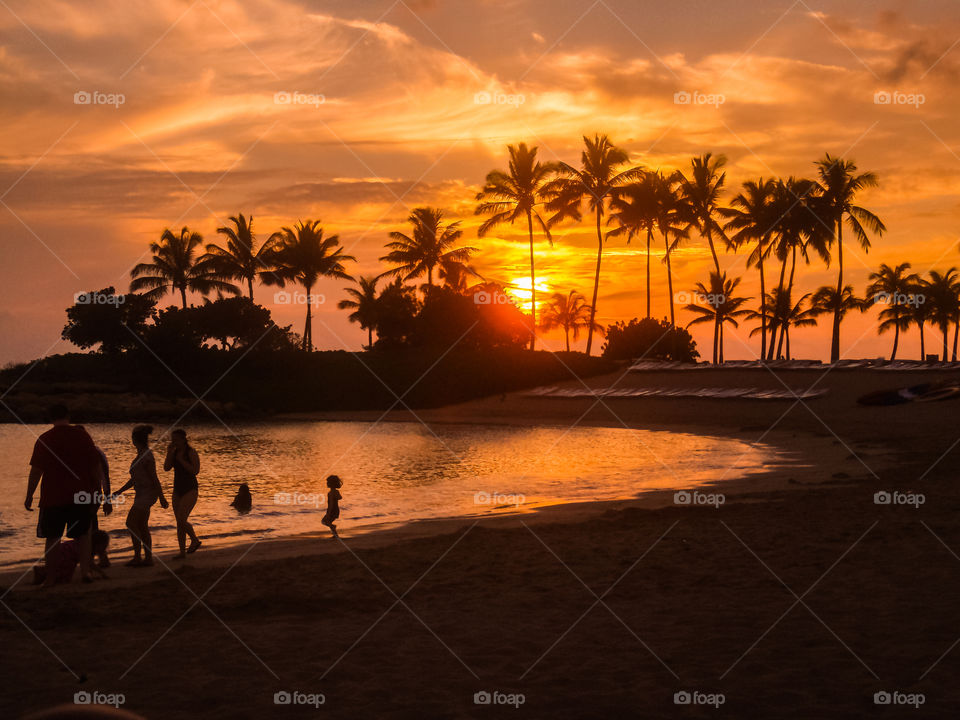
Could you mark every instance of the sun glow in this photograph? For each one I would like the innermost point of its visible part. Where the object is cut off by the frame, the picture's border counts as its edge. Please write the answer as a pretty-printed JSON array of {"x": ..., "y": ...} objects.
[{"x": 519, "y": 289}]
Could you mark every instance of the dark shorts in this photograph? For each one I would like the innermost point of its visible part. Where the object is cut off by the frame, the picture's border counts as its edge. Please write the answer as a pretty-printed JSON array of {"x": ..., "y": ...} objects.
[{"x": 75, "y": 519}]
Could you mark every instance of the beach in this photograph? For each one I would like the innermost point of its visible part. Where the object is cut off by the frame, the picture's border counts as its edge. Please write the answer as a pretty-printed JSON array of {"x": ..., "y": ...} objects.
[{"x": 797, "y": 596}]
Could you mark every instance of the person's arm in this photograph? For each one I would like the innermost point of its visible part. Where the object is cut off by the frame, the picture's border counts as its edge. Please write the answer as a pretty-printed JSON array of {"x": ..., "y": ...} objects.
[
  {"x": 126, "y": 486},
  {"x": 168, "y": 460},
  {"x": 32, "y": 482},
  {"x": 152, "y": 470},
  {"x": 104, "y": 485}
]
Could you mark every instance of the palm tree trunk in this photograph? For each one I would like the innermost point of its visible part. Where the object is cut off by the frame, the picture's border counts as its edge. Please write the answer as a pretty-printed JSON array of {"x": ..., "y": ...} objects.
[
  {"x": 713, "y": 251},
  {"x": 596, "y": 283},
  {"x": 945, "y": 329},
  {"x": 773, "y": 328},
  {"x": 183, "y": 296},
  {"x": 369, "y": 337},
  {"x": 716, "y": 337},
  {"x": 835, "y": 339},
  {"x": 666, "y": 247},
  {"x": 785, "y": 328},
  {"x": 956, "y": 329},
  {"x": 566, "y": 334},
  {"x": 896, "y": 340},
  {"x": 763, "y": 308},
  {"x": 250, "y": 287},
  {"x": 923, "y": 351},
  {"x": 308, "y": 325},
  {"x": 533, "y": 286},
  {"x": 649, "y": 235}
]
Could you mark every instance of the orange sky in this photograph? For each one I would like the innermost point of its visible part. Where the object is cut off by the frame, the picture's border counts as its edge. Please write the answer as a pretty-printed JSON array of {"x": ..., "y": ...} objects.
[{"x": 384, "y": 117}]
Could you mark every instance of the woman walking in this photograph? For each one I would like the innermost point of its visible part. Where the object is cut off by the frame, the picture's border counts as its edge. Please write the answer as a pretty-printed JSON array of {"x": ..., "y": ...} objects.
[
  {"x": 147, "y": 490},
  {"x": 185, "y": 463}
]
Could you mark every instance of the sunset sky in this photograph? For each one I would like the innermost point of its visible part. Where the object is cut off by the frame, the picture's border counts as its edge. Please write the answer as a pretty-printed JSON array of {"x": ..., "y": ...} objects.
[{"x": 200, "y": 135}]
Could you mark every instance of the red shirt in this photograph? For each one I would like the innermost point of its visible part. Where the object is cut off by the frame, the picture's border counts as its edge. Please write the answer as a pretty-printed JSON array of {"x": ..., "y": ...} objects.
[{"x": 67, "y": 457}]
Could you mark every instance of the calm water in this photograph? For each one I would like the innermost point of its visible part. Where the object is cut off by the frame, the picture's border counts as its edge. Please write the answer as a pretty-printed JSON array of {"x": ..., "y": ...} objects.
[{"x": 392, "y": 472}]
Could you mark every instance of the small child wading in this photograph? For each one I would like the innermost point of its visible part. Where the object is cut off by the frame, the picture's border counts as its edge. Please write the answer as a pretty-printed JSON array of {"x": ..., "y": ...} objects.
[{"x": 333, "y": 503}]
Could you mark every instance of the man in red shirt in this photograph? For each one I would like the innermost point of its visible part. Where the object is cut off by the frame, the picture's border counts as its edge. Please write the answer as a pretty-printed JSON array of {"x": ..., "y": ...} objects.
[{"x": 67, "y": 466}]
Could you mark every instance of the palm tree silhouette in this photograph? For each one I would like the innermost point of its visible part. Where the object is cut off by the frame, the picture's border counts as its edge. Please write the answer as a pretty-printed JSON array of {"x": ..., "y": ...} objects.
[
  {"x": 634, "y": 208},
  {"x": 702, "y": 192},
  {"x": 428, "y": 248},
  {"x": 893, "y": 287},
  {"x": 240, "y": 260},
  {"x": 592, "y": 184},
  {"x": 942, "y": 291},
  {"x": 175, "y": 267},
  {"x": 363, "y": 302},
  {"x": 509, "y": 196},
  {"x": 825, "y": 301},
  {"x": 673, "y": 219},
  {"x": 840, "y": 184},
  {"x": 784, "y": 314},
  {"x": 719, "y": 306},
  {"x": 751, "y": 215},
  {"x": 304, "y": 256},
  {"x": 570, "y": 312}
]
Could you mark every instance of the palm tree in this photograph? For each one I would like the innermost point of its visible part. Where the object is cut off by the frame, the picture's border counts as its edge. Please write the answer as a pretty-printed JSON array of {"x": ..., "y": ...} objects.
[
  {"x": 509, "y": 196},
  {"x": 175, "y": 267},
  {"x": 720, "y": 306},
  {"x": 304, "y": 256},
  {"x": 751, "y": 216},
  {"x": 840, "y": 184},
  {"x": 570, "y": 312},
  {"x": 429, "y": 246},
  {"x": 893, "y": 286},
  {"x": 784, "y": 314},
  {"x": 363, "y": 302},
  {"x": 920, "y": 313},
  {"x": 702, "y": 191},
  {"x": 634, "y": 208},
  {"x": 825, "y": 301},
  {"x": 240, "y": 260},
  {"x": 592, "y": 183},
  {"x": 942, "y": 291},
  {"x": 673, "y": 219}
]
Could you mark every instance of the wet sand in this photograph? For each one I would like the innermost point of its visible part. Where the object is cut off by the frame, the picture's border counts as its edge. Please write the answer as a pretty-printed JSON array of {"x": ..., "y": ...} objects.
[{"x": 798, "y": 597}]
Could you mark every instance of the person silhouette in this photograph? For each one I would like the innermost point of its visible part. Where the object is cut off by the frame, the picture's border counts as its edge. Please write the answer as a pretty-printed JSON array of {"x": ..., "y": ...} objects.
[
  {"x": 185, "y": 462},
  {"x": 333, "y": 504},
  {"x": 147, "y": 490},
  {"x": 243, "y": 501}
]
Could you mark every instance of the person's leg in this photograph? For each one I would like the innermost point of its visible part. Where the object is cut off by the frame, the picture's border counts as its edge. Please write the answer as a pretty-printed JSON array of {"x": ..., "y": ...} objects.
[
  {"x": 146, "y": 538},
  {"x": 133, "y": 525},
  {"x": 50, "y": 549},
  {"x": 187, "y": 502},
  {"x": 176, "y": 501},
  {"x": 85, "y": 556}
]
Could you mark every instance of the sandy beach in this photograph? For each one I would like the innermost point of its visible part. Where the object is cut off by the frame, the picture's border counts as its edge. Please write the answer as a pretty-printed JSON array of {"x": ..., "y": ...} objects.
[{"x": 798, "y": 597}]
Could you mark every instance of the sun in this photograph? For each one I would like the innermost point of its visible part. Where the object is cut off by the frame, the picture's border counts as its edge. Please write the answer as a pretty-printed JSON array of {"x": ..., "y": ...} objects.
[{"x": 519, "y": 289}]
